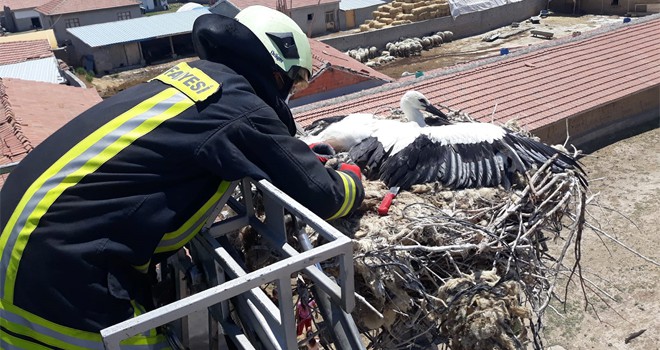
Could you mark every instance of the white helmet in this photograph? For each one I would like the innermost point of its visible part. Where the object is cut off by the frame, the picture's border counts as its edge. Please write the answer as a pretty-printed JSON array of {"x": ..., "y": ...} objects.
[{"x": 282, "y": 37}]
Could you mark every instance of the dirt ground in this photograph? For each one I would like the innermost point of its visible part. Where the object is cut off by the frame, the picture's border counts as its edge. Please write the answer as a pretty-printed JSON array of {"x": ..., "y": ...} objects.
[
  {"x": 472, "y": 48},
  {"x": 625, "y": 178}
]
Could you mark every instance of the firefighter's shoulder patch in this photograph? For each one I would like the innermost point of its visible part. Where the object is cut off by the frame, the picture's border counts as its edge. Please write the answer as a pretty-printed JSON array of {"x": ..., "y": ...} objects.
[{"x": 191, "y": 81}]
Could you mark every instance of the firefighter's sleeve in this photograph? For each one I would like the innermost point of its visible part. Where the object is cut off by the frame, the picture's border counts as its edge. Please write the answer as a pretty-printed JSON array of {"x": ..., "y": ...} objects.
[{"x": 259, "y": 146}]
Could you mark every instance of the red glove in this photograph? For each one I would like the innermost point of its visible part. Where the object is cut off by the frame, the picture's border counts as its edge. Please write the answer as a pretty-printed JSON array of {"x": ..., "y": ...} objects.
[
  {"x": 323, "y": 151},
  {"x": 345, "y": 167}
]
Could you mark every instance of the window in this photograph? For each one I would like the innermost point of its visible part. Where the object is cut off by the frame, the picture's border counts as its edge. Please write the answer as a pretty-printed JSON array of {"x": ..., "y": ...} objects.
[
  {"x": 123, "y": 15},
  {"x": 310, "y": 16},
  {"x": 615, "y": 2},
  {"x": 72, "y": 22},
  {"x": 330, "y": 20}
]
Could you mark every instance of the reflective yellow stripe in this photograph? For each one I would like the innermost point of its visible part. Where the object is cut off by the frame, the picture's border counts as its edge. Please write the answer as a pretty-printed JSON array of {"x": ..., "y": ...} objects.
[
  {"x": 23, "y": 323},
  {"x": 32, "y": 218},
  {"x": 176, "y": 239},
  {"x": 191, "y": 81},
  {"x": 349, "y": 196},
  {"x": 144, "y": 268}
]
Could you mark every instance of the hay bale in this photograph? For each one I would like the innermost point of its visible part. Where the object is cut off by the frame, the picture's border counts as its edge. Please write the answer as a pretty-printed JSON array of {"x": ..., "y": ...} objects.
[
  {"x": 407, "y": 8},
  {"x": 395, "y": 11},
  {"x": 397, "y": 4},
  {"x": 386, "y": 20},
  {"x": 379, "y": 25},
  {"x": 364, "y": 27}
]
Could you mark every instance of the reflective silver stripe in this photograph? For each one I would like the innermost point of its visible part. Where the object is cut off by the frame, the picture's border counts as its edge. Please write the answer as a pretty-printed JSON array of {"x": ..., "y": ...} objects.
[
  {"x": 20, "y": 320},
  {"x": 67, "y": 339},
  {"x": 74, "y": 165}
]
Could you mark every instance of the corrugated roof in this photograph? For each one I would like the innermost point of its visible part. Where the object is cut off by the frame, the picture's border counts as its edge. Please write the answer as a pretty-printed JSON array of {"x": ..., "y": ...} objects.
[
  {"x": 346, "y": 5},
  {"x": 60, "y": 7},
  {"x": 537, "y": 88},
  {"x": 290, "y": 4},
  {"x": 31, "y": 111},
  {"x": 16, "y": 5},
  {"x": 44, "y": 70},
  {"x": 20, "y": 51},
  {"x": 137, "y": 29}
]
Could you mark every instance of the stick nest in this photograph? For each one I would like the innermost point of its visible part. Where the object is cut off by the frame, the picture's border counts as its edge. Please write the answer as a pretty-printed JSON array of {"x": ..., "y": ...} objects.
[{"x": 463, "y": 269}]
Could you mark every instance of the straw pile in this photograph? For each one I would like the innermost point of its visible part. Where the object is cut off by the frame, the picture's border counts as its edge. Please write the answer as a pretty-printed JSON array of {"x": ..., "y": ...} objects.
[{"x": 400, "y": 12}]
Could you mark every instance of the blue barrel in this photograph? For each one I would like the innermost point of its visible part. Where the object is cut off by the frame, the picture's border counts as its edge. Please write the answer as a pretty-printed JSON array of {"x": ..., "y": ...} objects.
[
  {"x": 626, "y": 20},
  {"x": 504, "y": 51}
]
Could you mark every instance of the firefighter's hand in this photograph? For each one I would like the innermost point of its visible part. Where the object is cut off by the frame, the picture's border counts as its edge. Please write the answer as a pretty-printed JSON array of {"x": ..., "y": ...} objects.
[
  {"x": 347, "y": 167},
  {"x": 323, "y": 151}
]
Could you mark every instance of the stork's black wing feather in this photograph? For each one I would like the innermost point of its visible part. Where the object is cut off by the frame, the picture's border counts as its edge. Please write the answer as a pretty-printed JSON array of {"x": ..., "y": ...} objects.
[{"x": 369, "y": 155}]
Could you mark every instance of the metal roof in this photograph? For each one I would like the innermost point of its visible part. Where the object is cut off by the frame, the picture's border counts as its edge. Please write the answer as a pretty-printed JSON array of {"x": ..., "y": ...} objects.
[
  {"x": 44, "y": 69},
  {"x": 346, "y": 5},
  {"x": 137, "y": 29}
]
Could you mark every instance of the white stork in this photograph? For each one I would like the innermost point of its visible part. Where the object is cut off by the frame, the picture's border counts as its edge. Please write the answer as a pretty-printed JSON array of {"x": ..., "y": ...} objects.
[{"x": 458, "y": 155}]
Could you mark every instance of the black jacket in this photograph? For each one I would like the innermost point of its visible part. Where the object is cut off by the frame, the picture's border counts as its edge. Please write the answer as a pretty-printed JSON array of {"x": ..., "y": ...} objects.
[{"x": 134, "y": 176}]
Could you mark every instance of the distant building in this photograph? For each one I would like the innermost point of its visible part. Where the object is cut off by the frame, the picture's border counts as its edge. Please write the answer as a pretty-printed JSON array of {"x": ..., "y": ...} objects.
[
  {"x": 20, "y": 15},
  {"x": 315, "y": 17},
  {"x": 352, "y": 13},
  {"x": 336, "y": 74},
  {"x": 30, "y": 60},
  {"x": 106, "y": 48},
  {"x": 62, "y": 14}
]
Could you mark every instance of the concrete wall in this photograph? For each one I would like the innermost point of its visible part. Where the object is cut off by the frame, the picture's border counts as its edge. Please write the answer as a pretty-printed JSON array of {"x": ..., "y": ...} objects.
[
  {"x": 603, "y": 125},
  {"x": 58, "y": 22},
  {"x": 107, "y": 59},
  {"x": 462, "y": 26},
  {"x": 317, "y": 25}
]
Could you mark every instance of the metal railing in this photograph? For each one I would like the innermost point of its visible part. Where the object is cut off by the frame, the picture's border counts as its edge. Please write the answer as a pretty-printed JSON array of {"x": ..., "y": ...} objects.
[{"x": 261, "y": 321}]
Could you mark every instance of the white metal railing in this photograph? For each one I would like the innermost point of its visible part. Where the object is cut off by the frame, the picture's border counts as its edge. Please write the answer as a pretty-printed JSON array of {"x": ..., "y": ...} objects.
[{"x": 273, "y": 327}]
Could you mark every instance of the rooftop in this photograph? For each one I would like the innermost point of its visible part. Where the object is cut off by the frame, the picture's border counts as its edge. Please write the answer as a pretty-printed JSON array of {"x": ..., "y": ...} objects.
[
  {"x": 324, "y": 54},
  {"x": 346, "y": 5},
  {"x": 31, "y": 111},
  {"x": 21, "y": 51},
  {"x": 60, "y": 7},
  {"x": 43, "y": 69},
  {"x": 137, "y": 29},
  {"x": 21, "y": 4},
  {"x": 537, "y": 85}
]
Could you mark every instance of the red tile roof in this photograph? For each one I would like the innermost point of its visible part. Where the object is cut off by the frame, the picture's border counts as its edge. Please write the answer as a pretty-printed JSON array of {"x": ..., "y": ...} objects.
[
  {"x": 59, "y": 7},
  {"x": 290, "y": 4},
  {"x": 30, "y": 111},
  {"x": 537, "y": 88},
  {"x": 21, "y": 51},
  {"x": 334, "y": 69},
  {"x": 21, "y": 4},
  {"x": 324, "y": 54}
]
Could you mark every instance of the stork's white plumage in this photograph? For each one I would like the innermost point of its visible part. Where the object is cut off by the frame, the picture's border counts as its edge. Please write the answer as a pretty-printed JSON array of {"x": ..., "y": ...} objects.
[{"x": 460, "y": 155}]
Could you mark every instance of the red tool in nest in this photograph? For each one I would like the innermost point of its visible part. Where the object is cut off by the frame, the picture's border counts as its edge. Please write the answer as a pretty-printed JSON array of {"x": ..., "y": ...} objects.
[{"x": 385, "y": 204}]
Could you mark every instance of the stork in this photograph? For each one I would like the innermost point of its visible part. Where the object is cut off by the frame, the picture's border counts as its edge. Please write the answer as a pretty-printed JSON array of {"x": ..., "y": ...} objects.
[{"x": 458, "y": 155}]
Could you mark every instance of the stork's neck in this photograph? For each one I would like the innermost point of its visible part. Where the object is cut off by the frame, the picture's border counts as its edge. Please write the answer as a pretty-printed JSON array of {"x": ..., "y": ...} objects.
[{"x": 414, "y": 115}]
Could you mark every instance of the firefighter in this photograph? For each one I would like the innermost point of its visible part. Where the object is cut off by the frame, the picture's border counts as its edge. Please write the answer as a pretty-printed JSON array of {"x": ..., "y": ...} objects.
[{"x": 131, "y": 180}]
